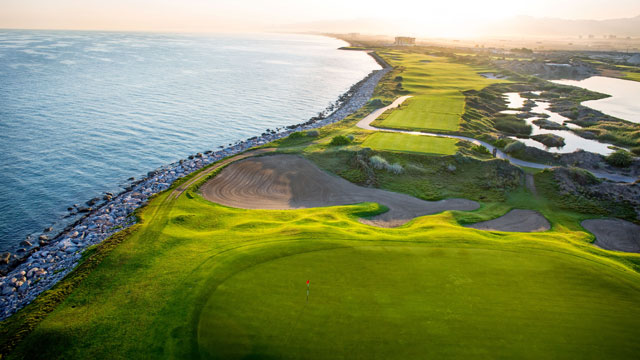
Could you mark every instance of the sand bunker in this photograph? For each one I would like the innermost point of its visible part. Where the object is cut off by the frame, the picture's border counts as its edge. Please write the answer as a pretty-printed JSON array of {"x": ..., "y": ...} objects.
[
  {"x": 614, "y": 234},
  {"x": 516, "y": 220},
  {"x": 291, "y": 182}
]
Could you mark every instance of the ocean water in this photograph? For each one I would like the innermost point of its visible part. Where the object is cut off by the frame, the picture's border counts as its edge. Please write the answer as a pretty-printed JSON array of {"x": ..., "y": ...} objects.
[{"x": 81, "y": 112}]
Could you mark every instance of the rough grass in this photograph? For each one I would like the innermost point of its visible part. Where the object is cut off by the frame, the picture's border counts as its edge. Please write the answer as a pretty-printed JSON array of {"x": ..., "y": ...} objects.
[{"x": 411, "y": 143}]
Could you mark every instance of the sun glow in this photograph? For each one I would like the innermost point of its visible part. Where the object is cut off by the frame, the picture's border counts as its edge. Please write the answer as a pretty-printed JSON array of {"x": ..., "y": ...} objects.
[{"x": 416, "y": 17}]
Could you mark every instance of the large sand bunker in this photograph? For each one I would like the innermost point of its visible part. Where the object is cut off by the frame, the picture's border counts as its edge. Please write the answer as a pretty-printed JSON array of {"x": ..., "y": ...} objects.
[
  {"x": 615, "y": 234},
  {"x": 291, "y": 182},
  {"x": 516, "y": 220}
]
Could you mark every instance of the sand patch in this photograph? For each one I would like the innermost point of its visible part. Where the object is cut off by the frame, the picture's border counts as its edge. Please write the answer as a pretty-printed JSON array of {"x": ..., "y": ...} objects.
[
  {"x": 291, "y": 182},
  {"x": 516, "y": 220},
  {"x": 614, "y": 234}
]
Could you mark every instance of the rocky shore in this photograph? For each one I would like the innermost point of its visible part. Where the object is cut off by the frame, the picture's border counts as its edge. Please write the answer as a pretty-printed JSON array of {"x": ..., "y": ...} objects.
[{"x": 45, "y": 259}]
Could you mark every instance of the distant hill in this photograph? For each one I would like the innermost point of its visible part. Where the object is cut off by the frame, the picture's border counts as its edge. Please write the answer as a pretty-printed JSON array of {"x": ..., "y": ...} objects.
[
  {"x": 527, "y": 25},
  {"x": 514, "y": 26}
]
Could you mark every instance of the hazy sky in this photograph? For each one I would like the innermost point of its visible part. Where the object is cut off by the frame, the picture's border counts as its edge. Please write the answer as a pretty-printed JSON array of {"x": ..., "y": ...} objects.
[{"x": 252, "y": 15}]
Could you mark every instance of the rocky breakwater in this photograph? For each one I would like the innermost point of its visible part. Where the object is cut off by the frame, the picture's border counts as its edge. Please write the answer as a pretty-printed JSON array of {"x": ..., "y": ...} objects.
[{"x": 41, "y": 264}]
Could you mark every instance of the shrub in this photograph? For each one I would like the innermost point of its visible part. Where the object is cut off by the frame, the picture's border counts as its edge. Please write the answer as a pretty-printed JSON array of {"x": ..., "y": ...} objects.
[
  {"x": 481, "y": 149},
  {"x": 340, "y": 140},
  {"x": 378, "y": 162},
  {"x": 313, "y": 133},
  {"x": 395, "y": 168},
  {"x": 381, "y": 164},
  {"x": 514, "y": 147},
  {"x": 398, "y": 78},
  {"x": 376, "y": 103},
  {"x": 636, "y": 150},
  {"x": 296, "y": 135},
  {"x": 620, "y": 158},
  {"x": 512, "y": 125},
  {"x": 500, "y": 143}
]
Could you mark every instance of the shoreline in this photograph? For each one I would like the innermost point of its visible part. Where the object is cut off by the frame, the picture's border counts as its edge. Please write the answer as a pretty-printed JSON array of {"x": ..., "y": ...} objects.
[{"x": 38, "y": 266}]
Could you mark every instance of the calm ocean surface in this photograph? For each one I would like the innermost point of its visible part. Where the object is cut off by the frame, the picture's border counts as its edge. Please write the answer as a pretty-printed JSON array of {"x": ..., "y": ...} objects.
[{"x": 80, "y": 112}]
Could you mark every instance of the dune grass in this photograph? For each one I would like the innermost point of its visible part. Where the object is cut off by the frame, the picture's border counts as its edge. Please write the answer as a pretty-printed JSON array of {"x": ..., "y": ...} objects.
[
  {"x": 437, "y": 85},
  {"x": 411, "y": 143}
]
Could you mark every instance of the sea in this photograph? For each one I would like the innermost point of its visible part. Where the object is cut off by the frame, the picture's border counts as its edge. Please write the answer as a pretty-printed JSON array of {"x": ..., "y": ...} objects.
[{"x": 82, "y": 112}]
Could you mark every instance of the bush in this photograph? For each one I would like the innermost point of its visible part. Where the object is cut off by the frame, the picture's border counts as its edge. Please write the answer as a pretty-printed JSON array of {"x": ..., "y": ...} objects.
[
  {"x": 313, "y": 133},
  {"x": 378, "y": 162},
  {"x": 296, "y": 135},
  {"x": 636, "y": 150},
  {"x": 620, "y": 158},
  {"x": 376, "y": 103},
  {"x": 500, "y": 143},
  {"x": 512, "y": 125},
  {"x": 340, "y": 140},
  {"x": 381, "y": 164},
  {"x": 514, "y": 147},
  {"x": 481, "y": 150}
]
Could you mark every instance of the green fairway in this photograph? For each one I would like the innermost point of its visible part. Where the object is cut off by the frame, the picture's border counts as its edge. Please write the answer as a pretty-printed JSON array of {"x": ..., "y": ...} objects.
[
  {"x": 411, "y": 143},
  {"x": 437, "y": 85},
  {"x": 411, "y": 302},
  {"x": 436, "y": 112}
]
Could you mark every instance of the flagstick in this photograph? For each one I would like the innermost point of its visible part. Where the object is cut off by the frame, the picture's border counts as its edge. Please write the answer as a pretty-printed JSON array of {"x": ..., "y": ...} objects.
[{"x": 307, "y": 290}]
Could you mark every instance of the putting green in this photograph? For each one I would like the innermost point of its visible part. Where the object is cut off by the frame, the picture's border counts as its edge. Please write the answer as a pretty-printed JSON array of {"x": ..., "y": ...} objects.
[
  {"x": 411, "y": 143},
  {"x": 423, "y": 302}
]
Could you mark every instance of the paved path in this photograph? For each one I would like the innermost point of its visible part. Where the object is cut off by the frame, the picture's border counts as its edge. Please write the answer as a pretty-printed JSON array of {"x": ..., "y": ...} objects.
[{"x": 366, "y": 124}]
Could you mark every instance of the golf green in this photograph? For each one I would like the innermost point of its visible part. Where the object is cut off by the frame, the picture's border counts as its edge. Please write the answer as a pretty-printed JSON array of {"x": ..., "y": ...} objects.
[{"x": 423, "y": 302}]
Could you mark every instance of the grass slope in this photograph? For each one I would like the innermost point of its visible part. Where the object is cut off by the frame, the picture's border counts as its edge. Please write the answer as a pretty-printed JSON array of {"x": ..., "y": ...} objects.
[{"x": 411, "y": 143}]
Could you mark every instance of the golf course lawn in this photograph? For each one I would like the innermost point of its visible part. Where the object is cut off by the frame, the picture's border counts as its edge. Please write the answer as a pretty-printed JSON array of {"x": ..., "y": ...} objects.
[
  {"x": 436, "y": 112},
  {"x": 410, "y": 302},
  {"x": 411, "y": 143},
  {"x": 196, "y": 279},
  {"x": 437, "y": 85}
]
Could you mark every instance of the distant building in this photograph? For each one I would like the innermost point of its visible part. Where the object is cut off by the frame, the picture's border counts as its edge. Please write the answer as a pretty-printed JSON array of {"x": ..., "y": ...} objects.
[
  {"x": 611, "y": 37},
  {"x": 404, "y": 41},
  {"x": 591, "y": 36}
]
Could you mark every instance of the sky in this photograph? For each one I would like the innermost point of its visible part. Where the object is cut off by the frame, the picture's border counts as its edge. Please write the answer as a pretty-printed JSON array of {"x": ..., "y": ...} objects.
[{"x": 423, "y": 17}]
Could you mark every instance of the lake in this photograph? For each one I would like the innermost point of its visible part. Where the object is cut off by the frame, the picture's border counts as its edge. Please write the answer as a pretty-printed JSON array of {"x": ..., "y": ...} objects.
[{"x": 624, "y": 102}]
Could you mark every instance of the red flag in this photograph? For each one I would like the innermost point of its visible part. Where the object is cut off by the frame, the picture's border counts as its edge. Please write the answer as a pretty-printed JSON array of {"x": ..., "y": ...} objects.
[{"x": 307, "y": 282}]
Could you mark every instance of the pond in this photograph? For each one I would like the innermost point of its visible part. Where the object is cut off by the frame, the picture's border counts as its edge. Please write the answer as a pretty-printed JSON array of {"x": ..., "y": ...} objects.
[
  {"x": 572, "y": 141},
  {"x": 624, "y": 102}
]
